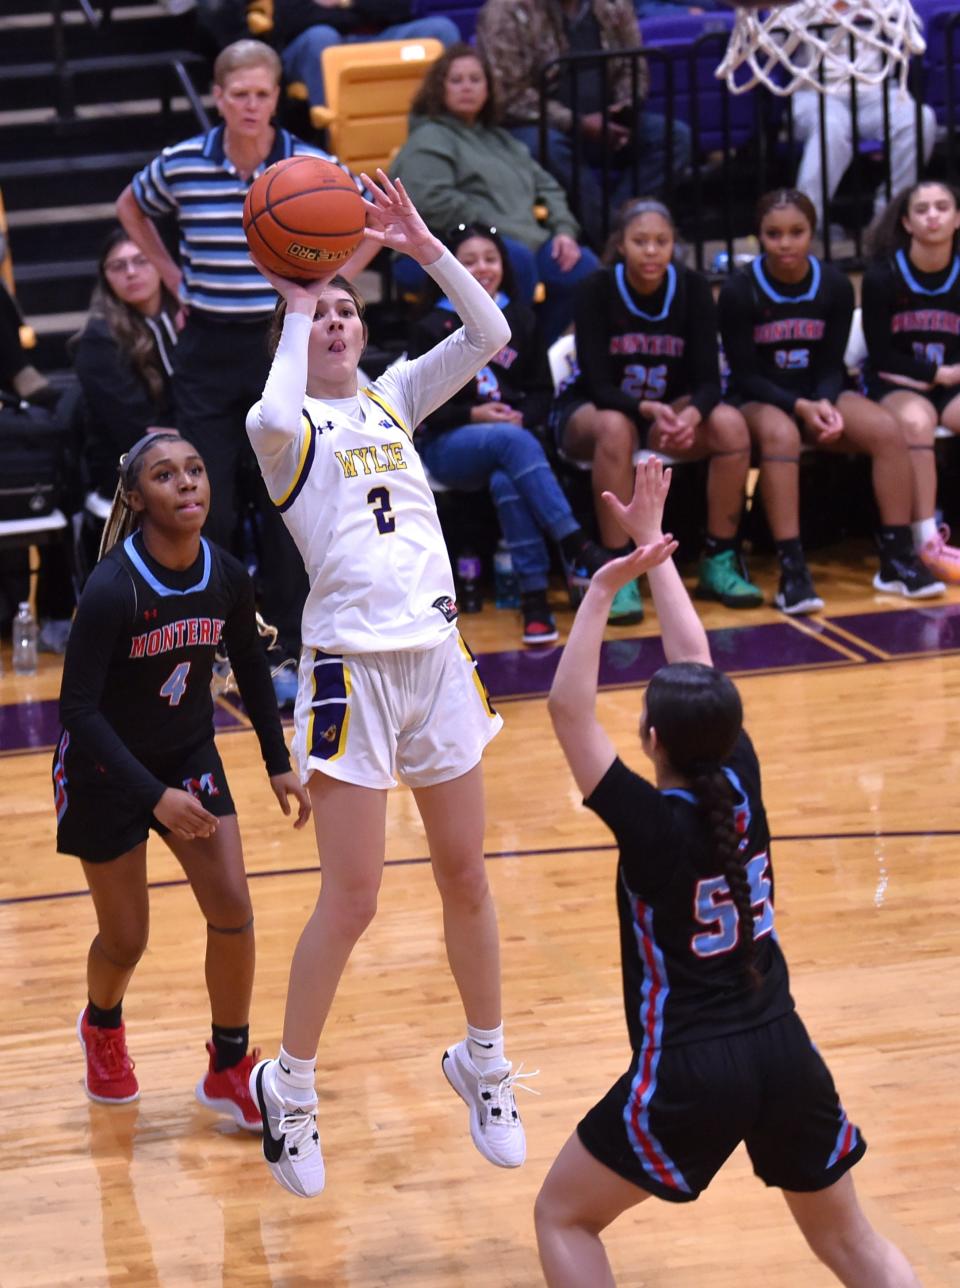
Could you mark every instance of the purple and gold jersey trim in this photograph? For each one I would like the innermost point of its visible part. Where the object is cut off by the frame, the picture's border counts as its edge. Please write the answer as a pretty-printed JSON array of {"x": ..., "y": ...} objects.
[
  {"x": 385, "y": 407},
  {"x": 480, "y": 686},
  {"x": 308, "y": 450},
  {"x": 329, "y": 721}
]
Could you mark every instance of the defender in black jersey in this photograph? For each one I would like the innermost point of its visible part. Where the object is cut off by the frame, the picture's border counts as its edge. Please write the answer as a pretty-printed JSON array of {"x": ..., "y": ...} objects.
[
  {"x": 649, "y": 377},
  {"x": 911, "y": 322},
  {"x": 785, "y": 320},
  {"x": 137, "y": 753},
  {"x": 719, "y": 1055}
]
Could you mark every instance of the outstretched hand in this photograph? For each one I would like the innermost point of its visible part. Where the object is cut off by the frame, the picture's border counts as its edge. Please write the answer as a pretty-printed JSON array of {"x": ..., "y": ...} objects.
[
  {"x": 615, "y": 574},
  {"x": 642, "y": 517},
  {"x": 394, "y": 221}
]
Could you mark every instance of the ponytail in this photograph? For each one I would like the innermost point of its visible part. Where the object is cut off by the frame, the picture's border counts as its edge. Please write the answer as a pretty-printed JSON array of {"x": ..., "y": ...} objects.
[
  {"x": 715, "y": 800},
  {"x": 123, "y": 519}
]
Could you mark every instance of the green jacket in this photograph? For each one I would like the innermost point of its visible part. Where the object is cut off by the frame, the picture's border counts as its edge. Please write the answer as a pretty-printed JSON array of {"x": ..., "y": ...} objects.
[{"x": 463, "y": 174}]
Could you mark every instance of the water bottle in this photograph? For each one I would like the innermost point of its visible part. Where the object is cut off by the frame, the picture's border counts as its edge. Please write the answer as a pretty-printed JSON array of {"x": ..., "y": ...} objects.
[
  {"x": 25, "y": 641},
  {"x": 469, "y": 573},
  {"x": 506, "y": 589}
]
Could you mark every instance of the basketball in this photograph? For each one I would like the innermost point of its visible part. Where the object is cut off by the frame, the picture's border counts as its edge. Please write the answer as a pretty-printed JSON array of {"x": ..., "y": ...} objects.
[{"x": 303, "y": 217}]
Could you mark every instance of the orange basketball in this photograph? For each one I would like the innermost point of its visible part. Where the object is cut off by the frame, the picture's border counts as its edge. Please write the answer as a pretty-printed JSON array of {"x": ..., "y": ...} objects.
[{"x": 303, "y": 217}]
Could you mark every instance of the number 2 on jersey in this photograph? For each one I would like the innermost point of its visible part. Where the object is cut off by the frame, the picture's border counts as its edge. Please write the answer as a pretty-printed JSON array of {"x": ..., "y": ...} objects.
[
  {"x": 175, "y": 685},
  {"x": 379, "y": 498},
  {"x": 715, "y": 909}
]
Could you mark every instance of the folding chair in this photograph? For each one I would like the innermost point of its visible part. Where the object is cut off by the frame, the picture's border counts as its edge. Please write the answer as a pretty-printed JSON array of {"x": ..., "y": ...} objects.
[{"x": 369, "y": 90}]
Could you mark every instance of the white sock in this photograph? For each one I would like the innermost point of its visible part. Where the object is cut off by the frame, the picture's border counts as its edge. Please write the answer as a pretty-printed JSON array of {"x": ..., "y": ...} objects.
[
  {"x": 485, "y": 1047},
  {"x": 923, "y": 530},
  {"x": 296, "y": 1078}
]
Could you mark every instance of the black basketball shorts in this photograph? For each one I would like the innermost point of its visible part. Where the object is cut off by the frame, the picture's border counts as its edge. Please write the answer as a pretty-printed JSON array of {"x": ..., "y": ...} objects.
[
  {"x": 677, "y": 1114},
  {"x": 97, "y": 820}
]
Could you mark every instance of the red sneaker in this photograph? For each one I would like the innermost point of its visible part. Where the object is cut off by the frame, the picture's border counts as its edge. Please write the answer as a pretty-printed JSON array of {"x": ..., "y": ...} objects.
[
  {"x": 228, "y": 1091},
  {"x": 109, "y": 1079}
]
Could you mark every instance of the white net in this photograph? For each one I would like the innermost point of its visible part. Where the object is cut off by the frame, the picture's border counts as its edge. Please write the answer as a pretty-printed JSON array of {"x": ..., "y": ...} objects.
[{"x": 821, "y": 44}]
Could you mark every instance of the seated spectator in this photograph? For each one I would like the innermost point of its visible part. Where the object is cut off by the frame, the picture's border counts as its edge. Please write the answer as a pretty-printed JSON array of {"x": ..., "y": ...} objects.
[
  {"x": 123, "y": 357},
  {"x": 911, "y": 322},
  {"x": 16, "y": 372},
  {"x": 649, "y": 377},
  {"x": 303, "y": 29},
  {"x": 519, "y": 38},
  {"x": 461, "y": 168},
  {"x": 785, "y": 320},
  {"x": 819, "y": 171},
  {"x": 484, "y": 436}
]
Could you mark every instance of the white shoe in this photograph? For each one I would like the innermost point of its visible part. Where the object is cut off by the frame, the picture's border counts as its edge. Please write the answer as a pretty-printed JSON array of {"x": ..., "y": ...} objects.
[
  {"x": 291, "y": 1142},
  {"x": 494, "y": 1122}
]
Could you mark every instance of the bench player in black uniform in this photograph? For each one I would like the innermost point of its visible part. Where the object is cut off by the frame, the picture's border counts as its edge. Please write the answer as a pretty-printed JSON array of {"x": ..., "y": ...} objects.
[
  {"x": 911, "y": 322},
  {"x": 649, "y": 377},
  {"x": 137, "y": 752},
  {"x": 719, "y": 1053},
  {"x": 785, "y": 322}
]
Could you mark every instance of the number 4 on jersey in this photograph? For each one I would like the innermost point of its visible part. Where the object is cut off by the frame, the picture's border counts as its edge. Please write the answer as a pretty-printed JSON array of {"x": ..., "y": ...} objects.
[{"x": 175, "y": 685}]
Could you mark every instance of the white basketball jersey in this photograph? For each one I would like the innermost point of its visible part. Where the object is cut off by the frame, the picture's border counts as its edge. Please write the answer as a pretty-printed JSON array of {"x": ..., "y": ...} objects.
[
  {"x": 352, "y": 489},
  {"x": 364, "y": 519}
]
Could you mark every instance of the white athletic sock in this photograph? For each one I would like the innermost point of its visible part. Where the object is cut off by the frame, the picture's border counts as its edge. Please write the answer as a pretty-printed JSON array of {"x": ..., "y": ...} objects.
[
  {"x": 296, "y": 1078},
  {"x": 923, "y": 530},
  {"x": 485, "y": 1047}
]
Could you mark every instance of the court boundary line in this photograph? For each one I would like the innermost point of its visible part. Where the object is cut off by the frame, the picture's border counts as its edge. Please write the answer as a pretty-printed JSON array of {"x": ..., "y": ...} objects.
[{"x": 788, "y": 838}]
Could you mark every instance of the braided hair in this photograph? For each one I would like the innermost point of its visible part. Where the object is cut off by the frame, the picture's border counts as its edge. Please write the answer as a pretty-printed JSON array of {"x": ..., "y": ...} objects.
[
  {"x": 697, "y": 714},
  {"x": 122, "y": 519}
]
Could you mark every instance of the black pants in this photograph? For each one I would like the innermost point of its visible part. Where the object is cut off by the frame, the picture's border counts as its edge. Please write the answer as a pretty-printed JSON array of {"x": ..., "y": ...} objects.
[{"x": 220, "y": 368}]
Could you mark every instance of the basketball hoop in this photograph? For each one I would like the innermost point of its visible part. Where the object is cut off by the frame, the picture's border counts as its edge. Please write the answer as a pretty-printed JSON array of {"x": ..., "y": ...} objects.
[{"x": 821, "y": 45}]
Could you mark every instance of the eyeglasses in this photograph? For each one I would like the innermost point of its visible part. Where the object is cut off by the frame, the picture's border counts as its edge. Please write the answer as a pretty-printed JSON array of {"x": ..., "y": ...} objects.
[
  {"x": 255, "y": 96},
  {"x": 125, "y": 264}
]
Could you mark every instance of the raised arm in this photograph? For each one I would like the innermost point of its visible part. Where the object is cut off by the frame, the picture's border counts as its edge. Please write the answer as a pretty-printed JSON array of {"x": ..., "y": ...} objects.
[{"x": 573, "y": 695}]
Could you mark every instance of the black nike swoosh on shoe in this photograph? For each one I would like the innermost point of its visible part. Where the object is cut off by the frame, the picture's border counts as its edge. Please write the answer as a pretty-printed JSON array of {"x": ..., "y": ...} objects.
[
  {"x": 272, "y": 1145},
  {"x": 284, "y": 1067}
]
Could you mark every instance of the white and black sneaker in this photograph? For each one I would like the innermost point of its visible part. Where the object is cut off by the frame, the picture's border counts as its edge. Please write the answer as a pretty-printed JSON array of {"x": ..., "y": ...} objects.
[
  {"x": 494, "y": 1122},
  {"x": 796, "y": 594},
  {"x": 291, "y": 1142},
  {"x": 908, "y": 577}
]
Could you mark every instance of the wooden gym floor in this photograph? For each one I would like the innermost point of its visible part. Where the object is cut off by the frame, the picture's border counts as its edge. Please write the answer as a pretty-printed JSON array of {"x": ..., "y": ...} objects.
[{"x": 855, "y": 715}]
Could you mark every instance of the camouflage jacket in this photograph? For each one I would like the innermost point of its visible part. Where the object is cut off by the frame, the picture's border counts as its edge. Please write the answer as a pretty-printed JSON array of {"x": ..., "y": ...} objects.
[{"x": 519, "y": 37}]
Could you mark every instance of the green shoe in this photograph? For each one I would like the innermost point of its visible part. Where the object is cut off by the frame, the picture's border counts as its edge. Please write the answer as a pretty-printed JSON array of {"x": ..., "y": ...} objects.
[
  {"x": 627, "y": 606},
  {"x": 722, "y": 577}
]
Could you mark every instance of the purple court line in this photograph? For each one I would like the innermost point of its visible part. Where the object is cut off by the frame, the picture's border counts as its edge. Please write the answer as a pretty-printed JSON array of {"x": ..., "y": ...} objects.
[{"x": 785, "y": 839}]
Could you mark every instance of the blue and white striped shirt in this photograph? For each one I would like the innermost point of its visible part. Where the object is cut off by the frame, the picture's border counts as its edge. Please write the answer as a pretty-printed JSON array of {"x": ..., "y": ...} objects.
[{"x": 197, "y": 181}]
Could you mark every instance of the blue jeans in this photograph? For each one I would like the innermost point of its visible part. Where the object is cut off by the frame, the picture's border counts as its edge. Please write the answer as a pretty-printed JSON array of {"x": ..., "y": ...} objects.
[
  {"x": 510, "y": 461},
  {"x": 650, "y": 148},
  {"x": 301, "y": 58},
  {"x": 529, "y": 268}
]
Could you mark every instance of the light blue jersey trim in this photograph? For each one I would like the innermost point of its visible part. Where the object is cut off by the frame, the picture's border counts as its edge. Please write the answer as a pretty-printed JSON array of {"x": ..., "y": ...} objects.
[
  {"x": 620, "y": 275},
  {"x": 134, "y": 557},
  {"x": 906, "y": 270},
  {"x": 764, "y": 283}
]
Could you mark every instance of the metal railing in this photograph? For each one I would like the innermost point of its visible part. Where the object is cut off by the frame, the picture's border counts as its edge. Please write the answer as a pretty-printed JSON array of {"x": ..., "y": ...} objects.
[{"x": 742, "y": 145}]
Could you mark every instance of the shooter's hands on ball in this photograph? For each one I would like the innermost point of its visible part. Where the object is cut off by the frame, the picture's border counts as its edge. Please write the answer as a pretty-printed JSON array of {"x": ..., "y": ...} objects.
[
  {"x": 394, "y": 221},
  {"x": 301, "y": 297},
  {"x": 642, "y": 519},
  {"x": 184, "y": 815},
  {"x": 287, "y": 785}
]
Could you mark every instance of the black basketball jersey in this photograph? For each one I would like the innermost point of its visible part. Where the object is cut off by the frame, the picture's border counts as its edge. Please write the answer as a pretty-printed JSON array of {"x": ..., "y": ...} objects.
[
  {"x": 785, "y": 341},
  {"x": 683, "y": 977},
  {"x": 136, "y": 678},
  {"x": 911, "y": 318},
  {"x": 657, "y": 347}
]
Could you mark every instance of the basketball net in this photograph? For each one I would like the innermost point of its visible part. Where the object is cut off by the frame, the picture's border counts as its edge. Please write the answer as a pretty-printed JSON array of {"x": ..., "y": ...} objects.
[{"x": 821, "y": 45}]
